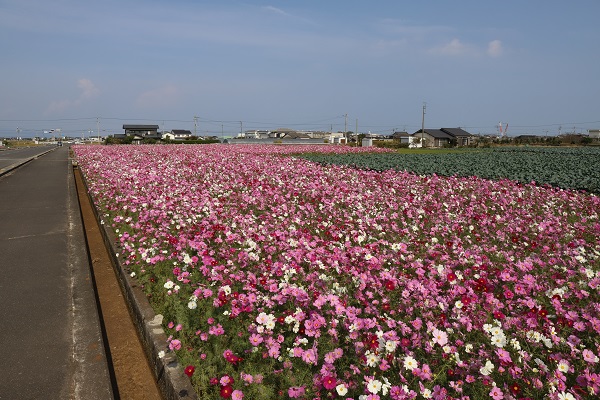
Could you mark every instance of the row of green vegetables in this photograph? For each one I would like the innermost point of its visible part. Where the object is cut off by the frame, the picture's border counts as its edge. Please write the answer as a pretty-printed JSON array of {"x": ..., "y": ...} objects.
[{"x": 567, "y": 168}]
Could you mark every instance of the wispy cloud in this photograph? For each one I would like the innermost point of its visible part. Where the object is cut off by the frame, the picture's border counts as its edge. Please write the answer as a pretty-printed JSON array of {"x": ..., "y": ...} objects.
[
  {"x": 88, "y": 91},
  {"x": 495, "y": 48},
  {"x": 276, "y": 10},
  {"x": 456, "y": 47},
  {"x": 453, "y": 48}
]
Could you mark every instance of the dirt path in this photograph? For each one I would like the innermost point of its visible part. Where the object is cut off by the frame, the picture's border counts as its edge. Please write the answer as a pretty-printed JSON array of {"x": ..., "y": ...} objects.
[{"x": 133, "y": 376}]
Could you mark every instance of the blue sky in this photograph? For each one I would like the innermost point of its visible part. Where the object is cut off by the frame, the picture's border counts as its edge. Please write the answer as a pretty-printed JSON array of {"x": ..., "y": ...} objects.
[{"x": 533, "y": 64}]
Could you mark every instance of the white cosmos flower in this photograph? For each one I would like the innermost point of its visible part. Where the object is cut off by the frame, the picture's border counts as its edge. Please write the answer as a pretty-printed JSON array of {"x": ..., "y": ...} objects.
[
  {"x": 410, "y": 363},
  {"x": 487, "y": 368},
  {"x": 390, "y": 346},
  {"x": 374, "y": 386},
  {"x": 496, "y": 330},
  {"x": 565, "y": 396},
  {"x": 563, "y": 366},
  {"x": 499, "y": 340},
  {"x": 270, "y": 324},
  {"x": 341, "y": 389},
  {"x": 372, "y": 359}
]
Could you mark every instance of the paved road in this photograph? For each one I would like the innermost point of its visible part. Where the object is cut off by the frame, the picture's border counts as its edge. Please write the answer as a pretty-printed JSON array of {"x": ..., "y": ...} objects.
[
  {"x": 16, "y": 156},
  {"x": 49, "y": 326}
]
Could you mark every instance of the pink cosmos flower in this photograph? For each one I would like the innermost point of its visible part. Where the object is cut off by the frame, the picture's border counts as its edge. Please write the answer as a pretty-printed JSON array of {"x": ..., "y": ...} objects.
[
  {"x": 226, "y": 380},
  {"x": 296, "y": 391},
  {"x": 589, "y": 356},
  {"x": 503, "y": 355},
  {"x": 175, "y": 344},
  {"x": 216, "y": 330},
  {"x": 247, "y": 378},
  {"x": 496, "y": 393},
  {"x": 237, "y": 395},
  {"x": 309, "y": 356},
  {"x": 256, "y": 339},
  {"x": 440, "y": 337}
]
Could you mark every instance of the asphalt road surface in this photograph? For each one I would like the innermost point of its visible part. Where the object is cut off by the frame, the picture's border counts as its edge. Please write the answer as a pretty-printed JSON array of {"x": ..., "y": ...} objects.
[
  {"x": 9, "y": 157},
  {"x": 52, "y": 346}
]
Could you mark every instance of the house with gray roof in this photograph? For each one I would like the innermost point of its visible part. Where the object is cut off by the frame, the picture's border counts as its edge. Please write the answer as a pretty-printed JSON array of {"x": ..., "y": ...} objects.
[
  {"x": 434, "y": 137},
  {"x": 445, "y": 137},
  {"x": 141, "y": 130},
  {"x": 463, "y": 138}
]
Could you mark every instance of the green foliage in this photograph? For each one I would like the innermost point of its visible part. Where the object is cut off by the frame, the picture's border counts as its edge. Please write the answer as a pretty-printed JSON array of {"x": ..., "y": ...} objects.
[
  {"x": 566, "y": 168},
  {"x": 390, "y": 144}
]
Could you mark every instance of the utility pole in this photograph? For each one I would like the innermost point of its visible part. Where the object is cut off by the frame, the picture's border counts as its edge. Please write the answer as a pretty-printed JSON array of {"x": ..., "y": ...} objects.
[
  {"x": 356, "y": 132},
  {"x": 195, "y": 126},
  {"x": 98, "y": 128},
  {"x": 423, "y": 123},
  {"x": 241, "y": 129},
  {"x": 346, "y": 127}
]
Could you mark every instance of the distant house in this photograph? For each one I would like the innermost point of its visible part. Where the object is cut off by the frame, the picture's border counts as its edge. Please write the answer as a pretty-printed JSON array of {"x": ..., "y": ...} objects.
[
  {"x": 318, "y": 134},
  {"x": 295, "y": 135},
  {"x": 594, "y": 133},
  {"x": 434, "y": 137},
  {"x": 403, "y": 137},
  {"x": 141, "y": 130},
  {"x": 282, "y": 132},
  {"x": 255, "y": 134},
  {"x": 177, "y": 134},
  {"x": 463, "y": 138},
  {"x": 445, "y": 137}
]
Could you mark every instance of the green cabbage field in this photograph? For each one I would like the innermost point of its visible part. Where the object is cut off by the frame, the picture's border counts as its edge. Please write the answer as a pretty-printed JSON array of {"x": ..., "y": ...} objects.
[{"x": 567, "y": 168}]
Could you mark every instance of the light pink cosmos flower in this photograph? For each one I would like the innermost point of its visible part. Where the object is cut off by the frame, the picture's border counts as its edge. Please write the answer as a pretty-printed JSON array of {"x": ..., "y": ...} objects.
[
  {"x": 440, "y": 337},
  {"x": 496, "y": 393},
  {"x": 256, "y": 339},
  {"x": 309, "y": 356},
  {"x": 589, "y": 356}
]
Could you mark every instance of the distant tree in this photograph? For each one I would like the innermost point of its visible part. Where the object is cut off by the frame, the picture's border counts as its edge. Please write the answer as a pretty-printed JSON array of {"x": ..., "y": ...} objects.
[{"x": 360, "y": 137}]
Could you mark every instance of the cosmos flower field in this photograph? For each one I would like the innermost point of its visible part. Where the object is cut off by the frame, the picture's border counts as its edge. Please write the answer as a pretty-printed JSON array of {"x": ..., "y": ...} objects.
[{"x": 281, "y": 278}]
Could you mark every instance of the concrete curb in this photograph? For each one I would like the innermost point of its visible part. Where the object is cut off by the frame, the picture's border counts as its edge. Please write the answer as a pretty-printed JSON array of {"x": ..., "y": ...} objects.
[
  {"x": 172, "y": 382},
  {"x": 12, "y": 167}
]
